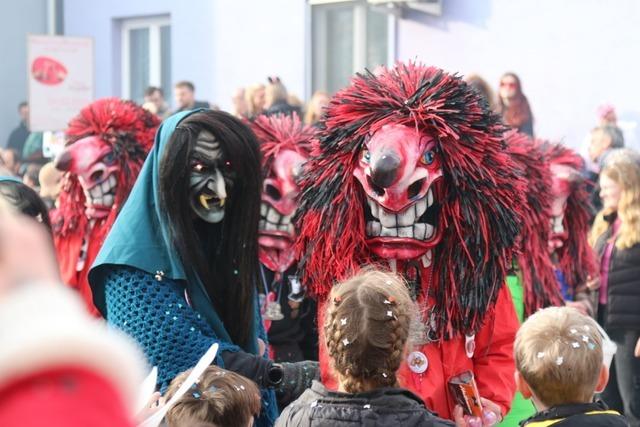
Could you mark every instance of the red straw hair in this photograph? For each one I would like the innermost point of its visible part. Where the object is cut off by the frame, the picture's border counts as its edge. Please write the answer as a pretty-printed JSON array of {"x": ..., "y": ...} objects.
[
  {"x": 130, "y": 130},
  {"x": 482, "y": 204},
  {"x": 538, "y": 276}
]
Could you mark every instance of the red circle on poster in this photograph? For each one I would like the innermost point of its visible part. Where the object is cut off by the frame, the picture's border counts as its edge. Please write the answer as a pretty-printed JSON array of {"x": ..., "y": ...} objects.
[{"x": 48, "y": 71}]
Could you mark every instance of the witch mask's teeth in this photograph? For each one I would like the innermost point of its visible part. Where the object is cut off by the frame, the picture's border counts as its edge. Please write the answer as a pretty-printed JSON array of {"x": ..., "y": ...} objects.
[{"x": 204, "y": 201}]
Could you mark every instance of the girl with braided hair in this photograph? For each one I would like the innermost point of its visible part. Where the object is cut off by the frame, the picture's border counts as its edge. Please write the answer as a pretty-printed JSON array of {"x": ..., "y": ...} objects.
[{"x": 366, "y": 328}]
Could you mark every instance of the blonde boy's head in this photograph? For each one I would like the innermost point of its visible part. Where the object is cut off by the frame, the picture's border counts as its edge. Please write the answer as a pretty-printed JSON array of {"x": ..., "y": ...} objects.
[{"x": 558, "y": 353}]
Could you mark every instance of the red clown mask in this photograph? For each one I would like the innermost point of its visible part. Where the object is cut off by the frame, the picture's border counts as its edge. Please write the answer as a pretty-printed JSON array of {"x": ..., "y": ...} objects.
[
  {"x": 399, "y": 169},
  {"x": 563, "y": 177},
  {"x": 279, "y": 203},
  {"x": 94, "y": 162},
  {"x": 107, "y": 143},
  {"x": 284, "y": 142}
]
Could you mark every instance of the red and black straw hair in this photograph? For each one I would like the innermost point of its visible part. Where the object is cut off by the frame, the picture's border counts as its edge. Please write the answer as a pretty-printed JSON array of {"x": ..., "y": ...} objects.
[
  {"x": 576, "y": 258},
  {"x": 541, "y": 287},
  {"x": 482, "y": 201},
  {"x": 130, "y": 130},
  {"x": 281, "y": 132}
]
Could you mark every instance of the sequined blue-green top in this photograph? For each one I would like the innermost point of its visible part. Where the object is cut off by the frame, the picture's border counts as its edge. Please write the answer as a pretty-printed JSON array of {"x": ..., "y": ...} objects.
[{"x": 172, "y": 335}]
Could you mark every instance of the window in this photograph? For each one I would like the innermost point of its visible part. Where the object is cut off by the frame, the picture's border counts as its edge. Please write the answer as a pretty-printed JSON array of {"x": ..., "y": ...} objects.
[
  {"x": 346, "y": 37},
  {"x": 146, "y": 56}
]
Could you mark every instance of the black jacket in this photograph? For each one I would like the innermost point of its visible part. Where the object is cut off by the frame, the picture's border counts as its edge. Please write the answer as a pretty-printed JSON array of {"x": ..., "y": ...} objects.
[
  {"x": 301, "y": 331},
  {"x": 18, "y": 137},
  {"x": 581, "y": 415},
  {"x": 382, "y": 407},
  {"x": 623, "y": 285}
]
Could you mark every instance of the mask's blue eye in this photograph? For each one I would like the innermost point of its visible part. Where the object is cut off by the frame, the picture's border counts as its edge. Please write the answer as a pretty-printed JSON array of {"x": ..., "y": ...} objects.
[
  {"x": 366, "y": 156},
  {"x": 109, "y": 158},
  {"x": 428, "y": 157}
]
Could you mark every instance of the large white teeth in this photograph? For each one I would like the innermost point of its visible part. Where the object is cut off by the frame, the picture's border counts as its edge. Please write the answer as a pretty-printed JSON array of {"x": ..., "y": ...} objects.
[
  {"x": 419, "y": 231},
  {"x": 286, "y": 219},
  {"x": 421, "y": 207},
  {"x": 105, "y": 186},
  {"x": 273, "y": 216},
  {"x": 408, "y": 217},
  {"x": 270, "y": 227},
  {"x": 429, "y": 232},
  {"x": 426, "y": 259},
  {"x": 97, "y": 201},
  {"x": 262, "y": 224},
  {"x": 108, "y": 200},
  {"x": 387, "y": 219},
  {"x": 263, "y": 209},
  {"x": 405, "y": 231},
  {"x": 389, "y": 232},
  {"x": 112, "y": 181},
  {"x": 96, "y": 192},
  {"x": 415, "y": 231},
  {"x": 403, "y": 224}
]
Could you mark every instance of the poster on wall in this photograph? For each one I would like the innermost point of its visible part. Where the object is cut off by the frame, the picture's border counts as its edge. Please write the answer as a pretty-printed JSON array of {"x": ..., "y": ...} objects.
[{"x": 60, "y": 79}]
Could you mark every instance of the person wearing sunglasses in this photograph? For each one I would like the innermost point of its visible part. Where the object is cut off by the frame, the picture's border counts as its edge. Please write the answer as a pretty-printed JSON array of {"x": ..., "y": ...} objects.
[{"x": 513, "y": 105}]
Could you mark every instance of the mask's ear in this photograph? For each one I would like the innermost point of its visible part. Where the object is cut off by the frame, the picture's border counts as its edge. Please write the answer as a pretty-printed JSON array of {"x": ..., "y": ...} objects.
[
  {"x": 603, "y": 379},
  {"x": 522, "y": 386}
]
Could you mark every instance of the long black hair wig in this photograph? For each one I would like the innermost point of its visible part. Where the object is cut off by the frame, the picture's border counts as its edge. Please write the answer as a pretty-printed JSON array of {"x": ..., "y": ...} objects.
[{"x": 224, "y": 256}]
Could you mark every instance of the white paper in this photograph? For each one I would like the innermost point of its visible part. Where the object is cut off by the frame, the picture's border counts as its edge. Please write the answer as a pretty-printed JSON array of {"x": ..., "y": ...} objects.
[
  {"x": 147, "y": 388},
  {"x": 203, "y": 363}
]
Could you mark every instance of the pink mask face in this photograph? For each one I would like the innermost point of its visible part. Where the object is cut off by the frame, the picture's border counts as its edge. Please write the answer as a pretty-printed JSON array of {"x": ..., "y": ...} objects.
[
  {"x": 562, "y": 177},
  {"x": 399, "y": 171},
  {"x": 279, "y": 204},
  {"x": 96, "y": 166}
]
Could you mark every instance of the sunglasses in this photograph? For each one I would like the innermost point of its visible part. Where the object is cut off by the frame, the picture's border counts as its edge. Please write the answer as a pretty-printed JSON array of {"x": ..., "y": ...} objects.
[{"x": 511, "y": 85}]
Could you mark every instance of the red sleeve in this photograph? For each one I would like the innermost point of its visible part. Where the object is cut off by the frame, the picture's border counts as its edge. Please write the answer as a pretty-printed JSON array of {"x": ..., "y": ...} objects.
[
  {"x": 494, "y": 365},
  {"x": 65, "y": 396}
]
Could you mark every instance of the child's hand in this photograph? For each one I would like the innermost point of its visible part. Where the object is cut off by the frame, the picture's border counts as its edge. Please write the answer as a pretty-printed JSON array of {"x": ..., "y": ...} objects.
[
  {"x": 492, "y": 415},
  {"x": 156, "y": 401},
  {"x": 637, "y": 350}
]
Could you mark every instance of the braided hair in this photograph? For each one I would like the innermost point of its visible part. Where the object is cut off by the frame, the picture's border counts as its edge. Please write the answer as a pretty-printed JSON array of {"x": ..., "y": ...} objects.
[{"x": 366, "y": 328}]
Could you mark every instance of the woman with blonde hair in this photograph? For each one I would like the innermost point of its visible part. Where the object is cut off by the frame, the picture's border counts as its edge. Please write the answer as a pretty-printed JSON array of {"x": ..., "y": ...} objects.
[
  {"x": 254, "y": 97},
  {"x": 616, "y": 293},
  {"x": 277, "y": 99},
  {"x": 315, "y": 107}
]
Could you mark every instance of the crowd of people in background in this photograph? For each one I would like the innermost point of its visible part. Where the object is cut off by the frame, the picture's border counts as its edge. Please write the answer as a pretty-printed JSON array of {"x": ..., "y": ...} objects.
[{"x": 561, "y": 381}]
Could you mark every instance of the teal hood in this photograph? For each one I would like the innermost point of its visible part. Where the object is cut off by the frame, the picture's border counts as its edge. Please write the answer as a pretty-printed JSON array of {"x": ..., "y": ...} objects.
[{"x": 140, "y": 236}]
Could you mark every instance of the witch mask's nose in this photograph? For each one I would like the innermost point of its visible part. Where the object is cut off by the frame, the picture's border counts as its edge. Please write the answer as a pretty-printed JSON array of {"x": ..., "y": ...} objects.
[{"x": 384, "y": 171}]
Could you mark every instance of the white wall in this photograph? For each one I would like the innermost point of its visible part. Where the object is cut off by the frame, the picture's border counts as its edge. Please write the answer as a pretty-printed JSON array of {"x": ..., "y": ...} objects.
[
  {"x": 219, "y": 45},
  {"x": 255, "y": 39},
  {"x": 571, "y": 55}
]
